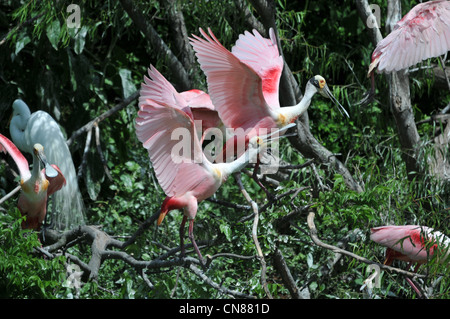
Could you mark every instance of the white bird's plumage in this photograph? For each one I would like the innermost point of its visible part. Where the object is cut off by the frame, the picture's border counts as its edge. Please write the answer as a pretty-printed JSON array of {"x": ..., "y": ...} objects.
[{"x": 27, "y": 129}]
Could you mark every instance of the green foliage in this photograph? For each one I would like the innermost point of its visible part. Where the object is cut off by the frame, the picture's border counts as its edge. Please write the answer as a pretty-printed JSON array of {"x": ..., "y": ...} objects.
[
  {"x": 23, "y": 273},
  {"x": 77, "y": 74}
]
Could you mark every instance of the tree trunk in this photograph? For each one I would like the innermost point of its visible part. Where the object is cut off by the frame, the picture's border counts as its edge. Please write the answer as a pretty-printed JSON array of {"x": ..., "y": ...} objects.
[{"x": 400, "y": 102}]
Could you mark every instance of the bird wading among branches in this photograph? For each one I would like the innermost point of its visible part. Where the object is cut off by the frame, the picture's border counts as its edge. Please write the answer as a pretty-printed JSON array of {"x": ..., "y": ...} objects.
[{"x": 412, "y": 243}]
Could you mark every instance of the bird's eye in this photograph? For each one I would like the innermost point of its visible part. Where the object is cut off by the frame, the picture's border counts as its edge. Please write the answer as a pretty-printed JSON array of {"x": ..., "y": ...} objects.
[{"x": 315, "y": 82}]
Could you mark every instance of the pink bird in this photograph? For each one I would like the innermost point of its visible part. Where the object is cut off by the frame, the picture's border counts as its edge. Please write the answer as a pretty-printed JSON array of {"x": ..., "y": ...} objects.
[
  {"x": 423, "y": 33},
  {"x": 37, "y": 185},
  {"x": 411, "y": 243},
  {"x": 187, "y": 177},
  {"x": 243, "y": 85}
]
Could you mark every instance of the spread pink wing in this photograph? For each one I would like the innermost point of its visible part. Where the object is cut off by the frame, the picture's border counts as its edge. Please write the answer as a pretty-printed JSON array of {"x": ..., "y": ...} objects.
[
  {"x": 167, "y": 132},
  {"x": 234, "y": 87},
  {"x": 263, "y": 57},
  {"x": 22, "y": 164},
  {"x": 422, "y": 33},
  {"x": 202, "y": 110},
  {"x": 198, "y": 99}
]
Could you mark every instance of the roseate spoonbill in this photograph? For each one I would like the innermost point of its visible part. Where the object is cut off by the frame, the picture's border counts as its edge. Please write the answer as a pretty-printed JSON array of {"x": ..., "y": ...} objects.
[
  {"x": 423, "y": 33},
  {"x": 411, "y": 243},
  {"x": 243, "y": 84},
  {"x": 37, "y": 185},
  {"x": 27, "y": 129},
  {"x": 189, "y": 177}
]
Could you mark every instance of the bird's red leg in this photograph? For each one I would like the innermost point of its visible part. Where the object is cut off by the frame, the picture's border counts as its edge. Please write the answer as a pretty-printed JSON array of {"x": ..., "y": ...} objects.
[
  {"x": 191, "y": 237},
  {"x": 183, "y": 222},
  {"x": 411, "y": 283}
]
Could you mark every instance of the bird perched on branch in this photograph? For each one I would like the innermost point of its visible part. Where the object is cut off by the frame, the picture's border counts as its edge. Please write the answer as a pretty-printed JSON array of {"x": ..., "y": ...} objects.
[
  {"x": 37, "y": 185},
  {"x": 243, "y": 84},
  {"x": 182, "y": 169},
  {"x": 26, "y": 130},
  {"x": 413, "y": 244}
]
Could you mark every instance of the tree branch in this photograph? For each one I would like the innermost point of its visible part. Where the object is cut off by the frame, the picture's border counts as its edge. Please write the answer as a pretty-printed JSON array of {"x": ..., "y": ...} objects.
[{"x": 157, "y": 44}]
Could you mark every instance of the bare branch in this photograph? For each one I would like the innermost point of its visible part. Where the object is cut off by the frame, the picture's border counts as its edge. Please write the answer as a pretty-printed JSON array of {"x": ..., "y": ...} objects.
[{"x": 255, "y": 233}]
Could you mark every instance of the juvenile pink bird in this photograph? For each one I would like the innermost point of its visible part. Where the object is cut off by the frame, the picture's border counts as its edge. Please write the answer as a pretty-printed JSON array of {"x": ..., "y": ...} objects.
[{"x": 37, "y": 185}]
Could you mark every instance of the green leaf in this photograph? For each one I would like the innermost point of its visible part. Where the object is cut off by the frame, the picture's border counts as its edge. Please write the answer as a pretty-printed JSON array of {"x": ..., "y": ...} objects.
[
  {"x": 80, "y": 40},
  {"x": 128, "y": 87},
  {"x": 53, "y": 33},
  {"x": 226, "y": 230},
  {"x": 21, "y": 43}
]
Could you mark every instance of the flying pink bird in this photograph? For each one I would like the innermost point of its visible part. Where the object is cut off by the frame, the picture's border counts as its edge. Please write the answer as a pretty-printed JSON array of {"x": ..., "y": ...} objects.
[
  {"x": 423, "y": 33},
  {"x": 187, "y": 177},
  {"x": 37, "y": 185},
  {"x": 243, "y": 84},
  {"x": 411, "y": 243}
]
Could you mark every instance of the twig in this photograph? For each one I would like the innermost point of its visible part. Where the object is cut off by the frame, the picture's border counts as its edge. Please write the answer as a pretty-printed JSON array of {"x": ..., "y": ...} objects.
[
  {"x": 85, "y": 154},
  {"x": 100, "y": 152},
  {"x": 255, "y": 233},
  {"x": 286, "y": 276},
  {"x": 10, "y": 194},
  {"x": 222, "y": 289}
]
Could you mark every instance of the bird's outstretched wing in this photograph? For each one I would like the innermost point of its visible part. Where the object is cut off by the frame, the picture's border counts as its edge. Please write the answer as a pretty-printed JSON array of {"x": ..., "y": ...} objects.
[
  {"x": 263, "y": 57},
  {"x": 235, "y": 88},
  {"x": 424, "y": 32},
  {"x": 165, "y": 126},
  {"x": 7, "y": 146}
]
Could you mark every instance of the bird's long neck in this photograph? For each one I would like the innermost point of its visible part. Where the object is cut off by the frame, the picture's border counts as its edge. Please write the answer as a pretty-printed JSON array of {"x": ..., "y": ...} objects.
[
  {"x": 36, "y": 171},
  {"x": 229, "y": 168},
  {"x": 17, "y": 128},
  {"x": 289, "y": 114},
  {"x": 303, "y": 105}
]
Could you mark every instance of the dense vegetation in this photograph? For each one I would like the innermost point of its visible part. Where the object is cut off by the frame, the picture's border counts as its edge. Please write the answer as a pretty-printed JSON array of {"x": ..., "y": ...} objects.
[{"x": 78, "y": 74}]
